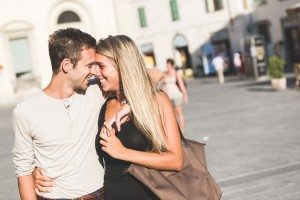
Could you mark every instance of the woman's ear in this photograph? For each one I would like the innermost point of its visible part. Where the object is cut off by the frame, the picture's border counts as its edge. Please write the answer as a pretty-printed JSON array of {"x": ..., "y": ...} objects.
[{"x": 66, "y": 65}]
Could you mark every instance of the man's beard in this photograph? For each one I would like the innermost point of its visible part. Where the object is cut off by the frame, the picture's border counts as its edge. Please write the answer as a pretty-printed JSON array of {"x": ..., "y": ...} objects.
[
  {"x": 80, "y": 90},
  {"x": 91, "y": 81}
]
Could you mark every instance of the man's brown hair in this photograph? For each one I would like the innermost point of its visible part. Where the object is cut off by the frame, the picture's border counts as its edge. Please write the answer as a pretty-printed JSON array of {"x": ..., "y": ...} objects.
[{"x": 68, "y": 43}]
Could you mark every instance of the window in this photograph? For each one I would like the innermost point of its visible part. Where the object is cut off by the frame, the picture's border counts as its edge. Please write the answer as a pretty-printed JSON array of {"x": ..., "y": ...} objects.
[
  {"x": 148, "y": 55},
  {"x": 68, "y": 17},
  {"x": 20, "y": 53},
  {"x": 174, "y": 10},
  {"x": 257, "y": 3},
  {"x": 142, "y": 17},
  {"x": 213, "y": 5},
  {"x": 263, "y": 29},
  {"x": 245, "y": 4}
]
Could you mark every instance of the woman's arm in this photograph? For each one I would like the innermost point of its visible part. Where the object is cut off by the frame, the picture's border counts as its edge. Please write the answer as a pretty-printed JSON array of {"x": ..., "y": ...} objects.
[
  {"x": 171, "y": 159},
  {"x": 182, "y": 88}
]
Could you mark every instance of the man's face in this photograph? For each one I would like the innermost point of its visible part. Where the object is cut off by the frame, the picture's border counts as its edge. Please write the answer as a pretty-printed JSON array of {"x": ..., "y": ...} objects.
[{"x": 83, "y": 70}]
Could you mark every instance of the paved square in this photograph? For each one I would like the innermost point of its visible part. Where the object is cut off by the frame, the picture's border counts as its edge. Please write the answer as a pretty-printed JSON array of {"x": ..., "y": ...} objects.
[{"x": 253, "y": 144}]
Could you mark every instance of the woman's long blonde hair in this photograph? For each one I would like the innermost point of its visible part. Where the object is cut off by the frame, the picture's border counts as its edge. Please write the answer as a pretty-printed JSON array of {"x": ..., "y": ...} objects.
[{"x": 138, "y": 87}]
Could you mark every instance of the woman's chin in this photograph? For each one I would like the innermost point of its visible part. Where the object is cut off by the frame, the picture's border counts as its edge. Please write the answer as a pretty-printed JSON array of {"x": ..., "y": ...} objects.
[{"x": 105, "y": 89}]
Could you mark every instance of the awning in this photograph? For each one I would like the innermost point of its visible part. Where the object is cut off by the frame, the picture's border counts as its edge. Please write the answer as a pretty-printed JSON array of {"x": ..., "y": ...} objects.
[
  {"x": 180, "y": 41},
  {"x": 146, "y": 48},
  {"x": 294, "y": 9}
]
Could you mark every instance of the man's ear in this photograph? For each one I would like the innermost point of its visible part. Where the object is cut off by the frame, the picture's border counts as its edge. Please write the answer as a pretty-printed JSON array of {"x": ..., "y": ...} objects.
[{"x": 66, "y": 65}]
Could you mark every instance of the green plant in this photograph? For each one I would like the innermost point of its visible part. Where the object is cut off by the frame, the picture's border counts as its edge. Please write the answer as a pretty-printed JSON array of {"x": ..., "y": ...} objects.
[{"x": 276, "y": 67}]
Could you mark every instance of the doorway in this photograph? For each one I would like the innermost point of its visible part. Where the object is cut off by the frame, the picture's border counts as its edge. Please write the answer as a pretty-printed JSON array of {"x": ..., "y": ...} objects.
[{"x": 182, "y": 55}]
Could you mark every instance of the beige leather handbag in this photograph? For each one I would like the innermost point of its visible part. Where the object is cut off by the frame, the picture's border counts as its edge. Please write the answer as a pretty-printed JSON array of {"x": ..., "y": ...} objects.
[{"x": 193, "y": 182}]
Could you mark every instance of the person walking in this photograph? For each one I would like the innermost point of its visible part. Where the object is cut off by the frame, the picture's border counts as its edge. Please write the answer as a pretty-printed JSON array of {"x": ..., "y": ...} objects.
[
  {"x": 219, "y": 65},
  {"x": 59, "y": 122},
  {"x": 150, "y": 137},
  {"x": 174, "y": 86},
  {"x": 239, "y": 64}
]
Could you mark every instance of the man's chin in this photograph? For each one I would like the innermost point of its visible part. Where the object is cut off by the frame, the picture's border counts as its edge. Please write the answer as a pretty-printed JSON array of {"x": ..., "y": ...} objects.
[{"x": 81, "y": 90}]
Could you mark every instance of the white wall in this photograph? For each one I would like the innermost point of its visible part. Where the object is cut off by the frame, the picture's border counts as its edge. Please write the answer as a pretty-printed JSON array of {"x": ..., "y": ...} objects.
[
  {"x": 37, "y": 19},
  {"x": 195, "y": 23}
]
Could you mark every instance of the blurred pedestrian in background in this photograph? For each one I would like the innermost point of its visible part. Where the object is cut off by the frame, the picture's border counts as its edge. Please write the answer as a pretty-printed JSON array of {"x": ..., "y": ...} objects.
[
  {"x": 297, "y": 73},
  {"x": 239, "y": 64},
  {"x": 176, "y": 89},
  {"x": 219, "y": 65}
]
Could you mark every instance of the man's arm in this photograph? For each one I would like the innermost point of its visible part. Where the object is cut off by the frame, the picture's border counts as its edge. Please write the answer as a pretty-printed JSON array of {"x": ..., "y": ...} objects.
[
  {"x": 23, "y": 154},
  {"x": 156, "y": 75},
  {"x": 26, "y": 188}
]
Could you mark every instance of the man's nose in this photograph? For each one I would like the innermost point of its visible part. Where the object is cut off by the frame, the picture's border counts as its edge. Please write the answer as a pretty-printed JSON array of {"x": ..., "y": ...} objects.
[{"x": 95, "y": 70}]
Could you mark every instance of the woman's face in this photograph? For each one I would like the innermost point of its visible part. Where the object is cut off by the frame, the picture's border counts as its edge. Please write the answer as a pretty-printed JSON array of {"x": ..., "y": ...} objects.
[
  {"x": 169, "y": 66},
  {"x": 108, "y": 75}
]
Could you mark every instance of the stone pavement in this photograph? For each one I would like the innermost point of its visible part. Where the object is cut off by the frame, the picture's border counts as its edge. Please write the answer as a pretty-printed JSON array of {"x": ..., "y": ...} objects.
[
  {"x": 254, "y": 142},
  {"x": 252, "y": 133}
]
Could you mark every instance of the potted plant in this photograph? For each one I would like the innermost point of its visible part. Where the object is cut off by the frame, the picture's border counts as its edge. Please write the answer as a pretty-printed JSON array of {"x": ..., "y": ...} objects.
[{"x": 276, "y": 72}]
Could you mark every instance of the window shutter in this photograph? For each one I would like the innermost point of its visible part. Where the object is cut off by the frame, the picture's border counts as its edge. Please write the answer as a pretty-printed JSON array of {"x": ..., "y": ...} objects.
[
  {"x": 142, "y": 16},
  {"x": 174, "y": 10}
]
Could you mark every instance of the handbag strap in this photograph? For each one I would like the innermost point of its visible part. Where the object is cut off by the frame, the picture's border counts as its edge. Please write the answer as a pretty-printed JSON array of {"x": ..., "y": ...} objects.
[{"x": 184, "y": 143}]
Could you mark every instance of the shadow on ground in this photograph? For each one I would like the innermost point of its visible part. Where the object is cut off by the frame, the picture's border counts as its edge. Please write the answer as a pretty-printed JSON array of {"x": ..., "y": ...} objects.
[{"x": 265, "y": 86}]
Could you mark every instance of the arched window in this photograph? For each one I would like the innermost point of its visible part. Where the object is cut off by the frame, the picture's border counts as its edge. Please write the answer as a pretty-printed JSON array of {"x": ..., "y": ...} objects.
[
  {"x": 180, "y": 41},
  {"x": 68, "y": 17}
]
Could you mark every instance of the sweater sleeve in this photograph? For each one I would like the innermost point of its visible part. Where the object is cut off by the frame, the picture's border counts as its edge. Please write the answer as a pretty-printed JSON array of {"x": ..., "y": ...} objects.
[
  {"x": 95, "y": 94},
  {"x": 23, "y": 151}
]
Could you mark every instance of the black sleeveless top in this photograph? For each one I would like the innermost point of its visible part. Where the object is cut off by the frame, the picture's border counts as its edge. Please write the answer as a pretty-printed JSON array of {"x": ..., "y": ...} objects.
[{"x": 119, "y": 185}]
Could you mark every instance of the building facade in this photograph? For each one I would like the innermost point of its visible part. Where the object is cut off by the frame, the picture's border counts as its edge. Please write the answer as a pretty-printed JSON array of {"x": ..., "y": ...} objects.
[
  {"x": 194, "y": 31},
  {"x": 24, "y": 30},
  {"x": 190, "y": 31}
]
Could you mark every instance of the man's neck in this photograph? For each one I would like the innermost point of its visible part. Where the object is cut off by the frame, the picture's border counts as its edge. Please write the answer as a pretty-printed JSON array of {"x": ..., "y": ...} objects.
[{"x": 59, "y": 88}]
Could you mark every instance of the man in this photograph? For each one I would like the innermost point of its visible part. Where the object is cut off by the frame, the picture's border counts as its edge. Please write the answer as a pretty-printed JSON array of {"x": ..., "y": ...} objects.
[{"x": 56, "y": 128}]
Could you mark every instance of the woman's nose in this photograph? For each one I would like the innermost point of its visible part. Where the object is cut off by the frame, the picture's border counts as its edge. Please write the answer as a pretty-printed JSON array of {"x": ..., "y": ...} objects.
[{"x": 95, "y": 70}]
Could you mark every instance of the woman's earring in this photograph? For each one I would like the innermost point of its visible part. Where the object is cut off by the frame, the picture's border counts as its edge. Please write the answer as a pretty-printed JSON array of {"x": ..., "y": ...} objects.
[{"x": 121, "y": 86}]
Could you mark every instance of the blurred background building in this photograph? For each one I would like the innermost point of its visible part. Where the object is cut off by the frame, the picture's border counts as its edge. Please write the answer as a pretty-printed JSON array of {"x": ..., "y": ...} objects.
[{"x": 191, "y": 31}]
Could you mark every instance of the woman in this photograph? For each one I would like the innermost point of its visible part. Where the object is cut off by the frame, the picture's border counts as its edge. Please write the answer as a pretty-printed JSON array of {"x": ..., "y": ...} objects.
[
  {"x": 176, "y": 90},
  {"x": 149, "y": 137}
]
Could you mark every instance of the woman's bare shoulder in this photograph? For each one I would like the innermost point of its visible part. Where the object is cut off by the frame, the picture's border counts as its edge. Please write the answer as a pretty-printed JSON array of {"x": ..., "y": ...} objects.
[{"x": 164, "y": 99}]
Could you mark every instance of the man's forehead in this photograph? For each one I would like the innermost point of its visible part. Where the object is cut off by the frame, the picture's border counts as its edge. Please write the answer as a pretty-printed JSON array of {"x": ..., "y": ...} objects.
[
  {"x": 87, "y": 57},
  {"x": 88, "y": 53}
]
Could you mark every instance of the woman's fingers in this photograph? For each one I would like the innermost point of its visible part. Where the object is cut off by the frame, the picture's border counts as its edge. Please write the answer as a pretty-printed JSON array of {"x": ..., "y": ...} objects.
[
  {"x": 44, "y": 183},
  {"x": 104, "y": 133},
  {"x": 125, "y": 111},
  {"x": 43, "y": 189},
  {"x": 103, "y": 136},
  {"x": 104, "y": 143},
  {"x": 39, "y": 174},
  {"x": 118, "y": 118},
  {"x": 108, "y": 124}
]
